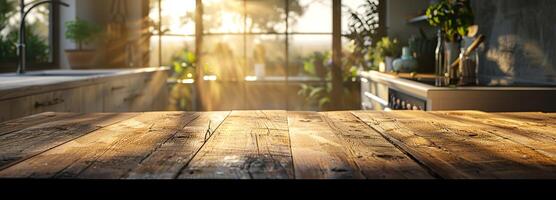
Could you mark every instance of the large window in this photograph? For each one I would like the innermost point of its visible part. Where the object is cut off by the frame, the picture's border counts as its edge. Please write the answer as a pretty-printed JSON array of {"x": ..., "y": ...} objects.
[
  {"x": 40, "y": 45},
  {"x": 250, "y": 51}
]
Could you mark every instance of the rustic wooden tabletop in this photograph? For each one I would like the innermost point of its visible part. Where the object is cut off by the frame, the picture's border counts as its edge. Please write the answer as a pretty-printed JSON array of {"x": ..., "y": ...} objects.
[{"x": 280, "y": 145}]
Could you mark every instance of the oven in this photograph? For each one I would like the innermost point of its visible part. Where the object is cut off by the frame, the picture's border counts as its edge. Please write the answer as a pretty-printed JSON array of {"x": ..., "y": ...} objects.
[{"x": 401, "y": 101}]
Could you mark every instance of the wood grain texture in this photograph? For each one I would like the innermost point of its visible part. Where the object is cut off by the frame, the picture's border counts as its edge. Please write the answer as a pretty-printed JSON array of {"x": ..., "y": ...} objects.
[
  {"x": 26, "y": 143},
  {"x": 280, "y": 145},
  {"x": 374, "y": 155},
  {"x": 318, "y": 153},
  {"x": 538, "y": 135},
  {"x": 105, "y": 153},
  {"x": 166, "y": 161},
  {"x": 441, "y": 162},
  {"x": 33, "y": 120},
  {"x": 248, "y": 145},
  {"x": 455, "y": 149}
]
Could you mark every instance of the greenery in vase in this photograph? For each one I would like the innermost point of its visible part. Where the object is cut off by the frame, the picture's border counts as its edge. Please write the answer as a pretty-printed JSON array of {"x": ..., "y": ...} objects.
[
  {"x": 453, "y": 17},
  {"x": 386, "y": 47},
  {"x": 81, "y": 32}
]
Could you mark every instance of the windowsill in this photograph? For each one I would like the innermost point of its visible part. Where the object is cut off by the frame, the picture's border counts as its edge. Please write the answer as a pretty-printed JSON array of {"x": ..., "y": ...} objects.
[{"x": 255, "y": 80}]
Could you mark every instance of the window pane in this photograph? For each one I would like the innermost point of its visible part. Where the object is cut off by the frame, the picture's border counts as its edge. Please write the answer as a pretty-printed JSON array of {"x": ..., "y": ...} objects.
[
  {"x": 266, "y": 16},
  {"x": 223, "y": 56},
  {"x": 310, "y": 55},
  {"x": 353, "y": 5},
  {"x": 172, "y": 46},
  {"x": 178, "y": 16},
  {"x": 266, "y": 55},
  {"x": 223, "y": 16},
  {"x": 38, "y": 33},
  {"x": 311, "y": 16}
]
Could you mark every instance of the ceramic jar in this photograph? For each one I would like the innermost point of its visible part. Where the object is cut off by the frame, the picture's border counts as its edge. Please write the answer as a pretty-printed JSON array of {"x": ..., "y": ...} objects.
[{"x": 406, "y": 63}]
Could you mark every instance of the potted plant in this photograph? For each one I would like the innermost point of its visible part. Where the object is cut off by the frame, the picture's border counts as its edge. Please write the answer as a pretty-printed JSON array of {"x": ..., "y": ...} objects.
[
  {"x": 385, "y": 51},
  {"x": 81, "y": 32},
  {"x": 453, "y": 18}
]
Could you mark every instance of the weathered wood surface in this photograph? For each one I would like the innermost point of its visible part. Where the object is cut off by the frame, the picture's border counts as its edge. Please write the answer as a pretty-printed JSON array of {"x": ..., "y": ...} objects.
[{"x": 280, "y": 145}]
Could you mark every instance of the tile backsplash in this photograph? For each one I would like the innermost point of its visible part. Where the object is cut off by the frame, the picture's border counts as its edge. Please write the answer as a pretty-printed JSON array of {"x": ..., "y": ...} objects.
[{"x": 521, "y": 38}]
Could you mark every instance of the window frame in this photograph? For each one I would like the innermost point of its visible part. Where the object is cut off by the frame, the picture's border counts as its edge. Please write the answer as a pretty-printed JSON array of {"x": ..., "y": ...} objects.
[
  {"x": 53, "y": 42},
  {"x": 336, "y": 34}
]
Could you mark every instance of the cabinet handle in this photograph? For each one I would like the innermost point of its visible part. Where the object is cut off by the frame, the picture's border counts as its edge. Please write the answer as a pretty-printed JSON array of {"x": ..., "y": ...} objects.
[
  {"x": 49, "y": 103},
  {"x": 133, "y": 97},
  {"x": 117, "y": 88}
]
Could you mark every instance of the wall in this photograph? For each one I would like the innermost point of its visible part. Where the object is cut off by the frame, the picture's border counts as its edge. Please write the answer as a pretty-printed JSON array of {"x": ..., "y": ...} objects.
[
  {"x": 129, "y": 51},
  {"x": 397, "y": 14},
  {"x": 521, "y": 38}
]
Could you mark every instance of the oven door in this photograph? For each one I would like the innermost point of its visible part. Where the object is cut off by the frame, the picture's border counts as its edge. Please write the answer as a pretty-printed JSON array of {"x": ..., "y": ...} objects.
[{"x": 402, "y": 101}]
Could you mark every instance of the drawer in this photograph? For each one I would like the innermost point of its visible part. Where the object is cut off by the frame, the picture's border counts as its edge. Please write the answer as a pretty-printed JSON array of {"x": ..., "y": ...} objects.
[
  {"x": 57, "y": 101},
  {"x": 92, "y": 98},
  {"x": 374, "y": 95},
  {"x": 131, "y": 94},
  {"x": 115, "y": 94}
]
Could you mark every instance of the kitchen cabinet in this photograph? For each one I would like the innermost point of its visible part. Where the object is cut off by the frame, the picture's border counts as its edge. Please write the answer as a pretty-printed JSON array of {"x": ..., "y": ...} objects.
[{"x": 134, "y": 91}]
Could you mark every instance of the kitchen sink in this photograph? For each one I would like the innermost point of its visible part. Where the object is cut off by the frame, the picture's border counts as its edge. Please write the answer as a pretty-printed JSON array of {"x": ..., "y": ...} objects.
[{"x": 63, "y": 73}]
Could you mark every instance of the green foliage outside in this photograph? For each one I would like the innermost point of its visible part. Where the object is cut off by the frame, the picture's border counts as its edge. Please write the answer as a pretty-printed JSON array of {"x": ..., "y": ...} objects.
[
  {"x": 37, "y": 47},
  {"x": 321, "y": 95},
  {"x": 183, "y": 65},
  {"x": 81, "y": 32},
  {"x": 453, "y": 17},
  {"x": 362, "y": 32}
]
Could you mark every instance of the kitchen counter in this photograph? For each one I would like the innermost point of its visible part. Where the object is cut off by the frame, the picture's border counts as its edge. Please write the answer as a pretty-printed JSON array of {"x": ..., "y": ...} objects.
[
  {"x": 380, "y": 87},
  {"x": 34, "y": 82},
  {"x": 83, "y": 91},
  {"x": 280, "y": 145}
]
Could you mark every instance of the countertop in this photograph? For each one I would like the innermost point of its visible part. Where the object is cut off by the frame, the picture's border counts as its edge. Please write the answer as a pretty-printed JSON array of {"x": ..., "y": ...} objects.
[
  {"x": 401, "y": 82},
  {"x": 12, "y": 85},
  {"x": 280, "y": 145}
]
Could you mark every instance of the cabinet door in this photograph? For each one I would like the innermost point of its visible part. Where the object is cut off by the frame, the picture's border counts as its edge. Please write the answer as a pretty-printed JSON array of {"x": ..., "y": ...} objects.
[
  {"x": 115, "y": 92},
  {"x": 137, "y": 97},
  {"x": 150, "y": 92},
  {"x": 56, "y": 101},
  {"x": 155, "y": 91},
  {"x": 92, "y": 98},
  {"x": 15, "y": 108}
]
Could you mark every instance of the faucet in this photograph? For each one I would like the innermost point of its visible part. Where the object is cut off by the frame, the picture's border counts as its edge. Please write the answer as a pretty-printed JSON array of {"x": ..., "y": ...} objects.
[{"x": 21, "y": 44}]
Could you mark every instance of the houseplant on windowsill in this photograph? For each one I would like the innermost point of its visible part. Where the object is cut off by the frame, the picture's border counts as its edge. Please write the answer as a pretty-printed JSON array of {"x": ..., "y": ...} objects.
[{"x": 81, "y": 33}]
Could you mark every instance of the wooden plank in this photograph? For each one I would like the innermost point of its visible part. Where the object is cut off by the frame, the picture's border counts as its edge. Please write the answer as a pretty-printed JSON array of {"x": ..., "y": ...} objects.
[
  {"x": 107, "y": 153},
  {"x": 317, "y": 151},
  {"x": 376, "y": 157},
  {"x": 128, "y": 152},
  {"x": 33, "y": 120},
  {"x": 454, "y": 149},
  {"x": 248, "y": 145},
  {"x": 171, "y": 156},
  {"x": 21, "y": 145},
  {"x": 434, "y": 157},
  {"x": 537, "y": 135}
]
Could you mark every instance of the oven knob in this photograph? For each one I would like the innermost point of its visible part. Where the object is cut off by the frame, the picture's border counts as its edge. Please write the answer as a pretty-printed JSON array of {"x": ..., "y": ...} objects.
[
  {"x": 415, "y": 108},
  {"x": 408, "y": 106}
]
